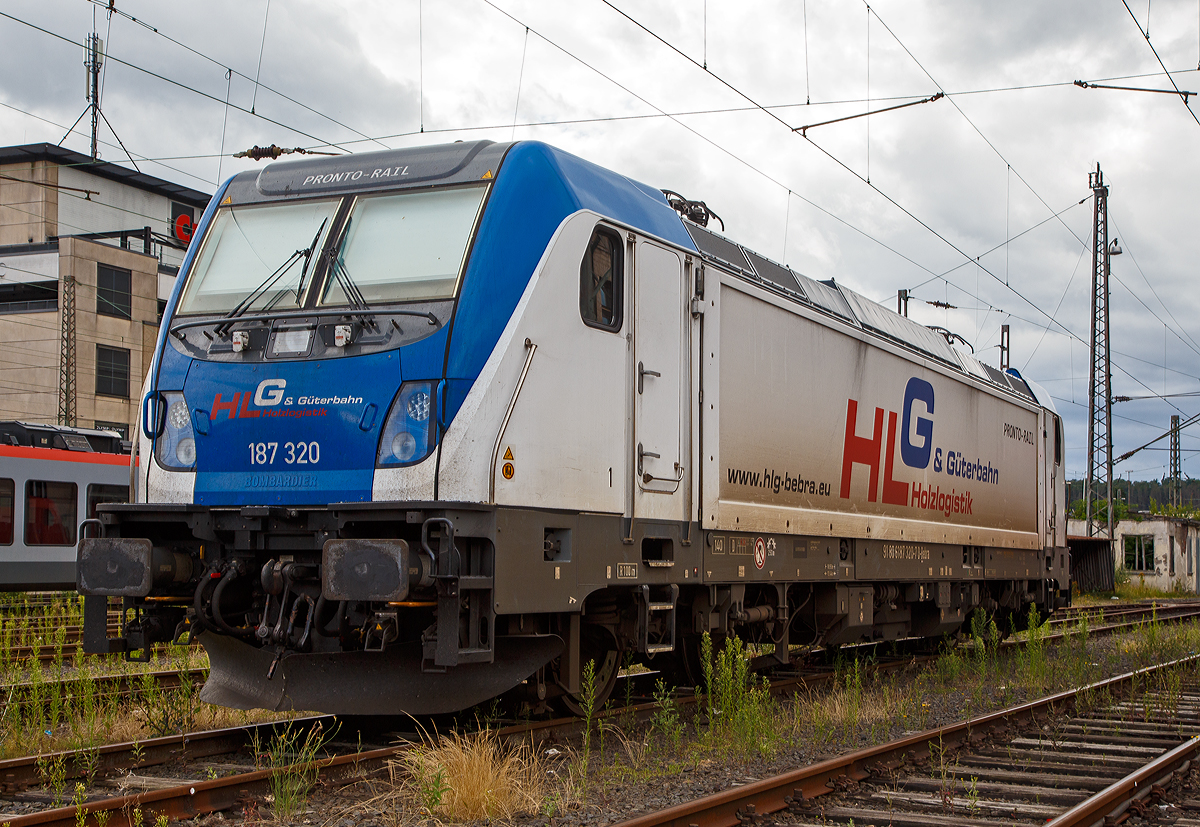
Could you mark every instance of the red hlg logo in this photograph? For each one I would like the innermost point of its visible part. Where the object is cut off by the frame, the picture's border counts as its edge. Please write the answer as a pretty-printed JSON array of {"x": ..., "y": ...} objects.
[
  {"x": 269, "y": 393},
  {"x": 869, "y": 451}
]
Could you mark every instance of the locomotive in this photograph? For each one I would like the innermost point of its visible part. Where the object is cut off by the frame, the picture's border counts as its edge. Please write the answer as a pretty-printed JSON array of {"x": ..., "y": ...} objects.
[{"x": 428, "y": 426}]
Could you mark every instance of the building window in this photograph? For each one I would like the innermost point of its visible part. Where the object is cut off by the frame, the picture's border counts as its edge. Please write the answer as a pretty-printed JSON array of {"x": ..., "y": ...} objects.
[
  {"x": 120, "y": 427},
  {"x": 1171, "y": 558},
  {"x": 50, "y": 509},
  {"x": 7, "y": 494},
  {"x": 28, "y": 297},
  {"x": 600, "y": 281},
  {"x": 1139, "y": 552},
  {"x": 112, "y": 371},
  {"x": 113, "y": 292}
]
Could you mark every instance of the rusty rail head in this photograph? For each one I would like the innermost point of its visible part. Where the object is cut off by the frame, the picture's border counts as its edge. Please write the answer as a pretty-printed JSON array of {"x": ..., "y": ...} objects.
[
  {"x": 18, "y": 773},
  {"x": 193, "y": 799},
  {"x": 1094, "y": 809},
  {"x": 772, "y": 794}
]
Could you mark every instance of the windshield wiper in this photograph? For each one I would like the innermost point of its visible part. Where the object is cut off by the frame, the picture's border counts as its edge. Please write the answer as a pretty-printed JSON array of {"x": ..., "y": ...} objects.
[
  {"x": 354, "y": 296},
  {"x": 269, "y": 282}
]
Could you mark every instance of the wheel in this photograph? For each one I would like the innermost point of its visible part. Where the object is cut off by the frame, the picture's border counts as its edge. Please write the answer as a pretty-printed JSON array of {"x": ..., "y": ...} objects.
[{"x": 596, "y": 644}]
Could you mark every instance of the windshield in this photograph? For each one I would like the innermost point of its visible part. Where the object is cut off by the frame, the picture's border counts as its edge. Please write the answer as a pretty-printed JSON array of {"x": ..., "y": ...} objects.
[
  {"x": 257, "y": 247},
  {"x": 405, "y": 247}
]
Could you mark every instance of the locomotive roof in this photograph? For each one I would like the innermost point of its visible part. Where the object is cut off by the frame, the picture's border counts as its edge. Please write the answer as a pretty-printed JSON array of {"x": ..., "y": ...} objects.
[
  {"x": 851, "y": 307},
  {"x": 608, "y": 193}
]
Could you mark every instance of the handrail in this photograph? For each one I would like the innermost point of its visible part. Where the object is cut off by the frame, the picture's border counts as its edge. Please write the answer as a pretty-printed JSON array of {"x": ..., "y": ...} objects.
[{"x": 512, "y": 403}]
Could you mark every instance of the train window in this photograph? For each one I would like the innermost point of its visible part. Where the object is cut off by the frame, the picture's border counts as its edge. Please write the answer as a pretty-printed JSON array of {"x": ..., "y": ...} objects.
[
  {"x": 405, "y": 247},
  {"x": 98, "y": 493},
  {"x": 254, "y": 250},
  {"x": 51, "y": 513},
  {"x": 113, "y": 291},
  {"x": 1058, "y": 441},
  {"x": 601, "y": 285},
  {"x": 7, "y": 494},
  {"x": 112, "y": 371}
]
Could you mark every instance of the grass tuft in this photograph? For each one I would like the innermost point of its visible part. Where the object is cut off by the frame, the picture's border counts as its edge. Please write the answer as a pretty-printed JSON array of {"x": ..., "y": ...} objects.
[{"x": 474, "y": 776}]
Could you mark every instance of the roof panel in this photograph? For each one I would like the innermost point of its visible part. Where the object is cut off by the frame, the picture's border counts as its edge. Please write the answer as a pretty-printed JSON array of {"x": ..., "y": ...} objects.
[
  {"x": 826, "y": 297},
  {"x": 717, "y": 246},
  {"x": 775, "y": 273},
  {"x": 897, "y": 327}
]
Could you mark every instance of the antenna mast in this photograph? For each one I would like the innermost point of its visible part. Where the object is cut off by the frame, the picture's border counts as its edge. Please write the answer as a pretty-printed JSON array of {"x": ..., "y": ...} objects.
[{"x": 93, "y": 59}]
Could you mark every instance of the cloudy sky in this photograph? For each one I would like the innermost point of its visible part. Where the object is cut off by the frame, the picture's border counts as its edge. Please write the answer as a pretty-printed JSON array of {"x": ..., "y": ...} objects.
[{"x": 972, "y": 200}]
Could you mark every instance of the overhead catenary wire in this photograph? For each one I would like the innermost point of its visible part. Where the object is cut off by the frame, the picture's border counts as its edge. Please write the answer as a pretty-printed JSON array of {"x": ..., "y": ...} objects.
[
  {"x": 765, "y": 175},
  {"x": 179, "y": 84},
  {"x": 838, "y": 161},
  {"x": 231, "y": 71},
  {"x": 1128, "y": 251},
  {"x": 1146, "y": 34}
]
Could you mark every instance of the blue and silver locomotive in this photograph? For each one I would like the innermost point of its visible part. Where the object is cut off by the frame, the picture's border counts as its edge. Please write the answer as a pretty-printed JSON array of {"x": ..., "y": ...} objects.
[{"x": 431, "y": 425}]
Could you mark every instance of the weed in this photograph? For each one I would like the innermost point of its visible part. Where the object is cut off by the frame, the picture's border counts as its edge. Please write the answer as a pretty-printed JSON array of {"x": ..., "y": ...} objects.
[
  {"x": 78, "y": 800},
  {"x": 53, "y": 772},
  {"x": 740, "y": 707},
  {"x": 587, "y": 702},
  {"x": 943, "y": 773},
  {"x": 666, "y": 719},
  {"x": 291, "y": 756}
]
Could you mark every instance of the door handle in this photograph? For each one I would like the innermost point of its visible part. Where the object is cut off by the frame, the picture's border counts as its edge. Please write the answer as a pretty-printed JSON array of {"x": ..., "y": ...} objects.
[{"x": 643, "y": 373}]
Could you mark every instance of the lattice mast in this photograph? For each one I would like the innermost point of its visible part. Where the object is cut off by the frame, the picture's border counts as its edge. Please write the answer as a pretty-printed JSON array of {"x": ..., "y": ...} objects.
[
  {"x": 1098, "y": 490},
  {"x": 66, "y": 355},
  {"x": 1176, "y": 465}
]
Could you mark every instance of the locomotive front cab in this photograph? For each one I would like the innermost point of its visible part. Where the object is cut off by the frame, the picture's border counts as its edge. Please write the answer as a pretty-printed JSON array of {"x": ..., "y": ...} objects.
[{"x": 302, "y": 363}]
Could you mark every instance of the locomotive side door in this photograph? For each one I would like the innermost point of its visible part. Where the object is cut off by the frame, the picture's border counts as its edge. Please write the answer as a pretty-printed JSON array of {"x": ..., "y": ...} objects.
[{"x": 659, "y": 377}]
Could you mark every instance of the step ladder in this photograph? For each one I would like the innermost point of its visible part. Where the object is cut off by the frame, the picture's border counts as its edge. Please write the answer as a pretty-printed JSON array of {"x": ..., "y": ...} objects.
[{"x": 657, "y": 601}]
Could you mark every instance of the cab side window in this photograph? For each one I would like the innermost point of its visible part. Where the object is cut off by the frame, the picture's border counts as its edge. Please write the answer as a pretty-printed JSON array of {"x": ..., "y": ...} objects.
[{"x": 601, "y": 281}]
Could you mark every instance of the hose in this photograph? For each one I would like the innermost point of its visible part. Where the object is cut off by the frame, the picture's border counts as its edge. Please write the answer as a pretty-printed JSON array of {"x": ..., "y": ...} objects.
[{"x": 231, "y": 574}]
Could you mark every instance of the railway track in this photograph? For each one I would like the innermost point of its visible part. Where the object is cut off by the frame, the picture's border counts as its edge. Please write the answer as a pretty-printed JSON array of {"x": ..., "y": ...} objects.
[
  {"x": 209, "y": 793},
  {"x": 1062, "y": 760}
]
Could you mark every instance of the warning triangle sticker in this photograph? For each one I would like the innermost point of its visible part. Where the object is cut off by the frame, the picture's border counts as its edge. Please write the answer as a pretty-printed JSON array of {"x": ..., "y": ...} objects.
[
  {"x": 228, "y": 200},
  {"x": 486, "y": 175},
  {"x": 508, "y": 453}
]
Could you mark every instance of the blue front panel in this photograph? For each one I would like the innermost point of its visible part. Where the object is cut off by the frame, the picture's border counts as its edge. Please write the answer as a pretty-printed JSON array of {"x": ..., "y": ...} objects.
[{"x": 265, "y": 419}]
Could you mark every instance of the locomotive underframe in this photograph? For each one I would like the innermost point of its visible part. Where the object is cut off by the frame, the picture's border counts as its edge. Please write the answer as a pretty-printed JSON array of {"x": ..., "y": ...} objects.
[{"x": 494, "y": 598}]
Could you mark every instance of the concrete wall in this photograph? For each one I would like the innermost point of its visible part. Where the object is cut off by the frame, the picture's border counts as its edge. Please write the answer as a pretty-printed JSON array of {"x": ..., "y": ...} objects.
[
  {"x": 117, "y": 207},
  {"x": 28, "y": 212}
]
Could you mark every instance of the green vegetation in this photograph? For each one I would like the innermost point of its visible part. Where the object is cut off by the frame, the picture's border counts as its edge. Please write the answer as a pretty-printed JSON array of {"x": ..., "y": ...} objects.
[{"x": 290, "y": 756}]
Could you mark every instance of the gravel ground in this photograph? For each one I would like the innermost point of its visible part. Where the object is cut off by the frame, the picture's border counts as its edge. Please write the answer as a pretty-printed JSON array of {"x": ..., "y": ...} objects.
[{"x": 636, "y": 771}]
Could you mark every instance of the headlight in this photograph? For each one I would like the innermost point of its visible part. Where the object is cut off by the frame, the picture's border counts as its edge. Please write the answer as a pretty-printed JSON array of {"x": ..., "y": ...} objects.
[
  {"x": 179, "y": 416},
  {"x": 176, "y": 445},
  {"x": 418, "y": 406},
  {"x": 185, "y": 451},
  {"x": 408, "y": 434},
  {"x": 404, "y": 446}
]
